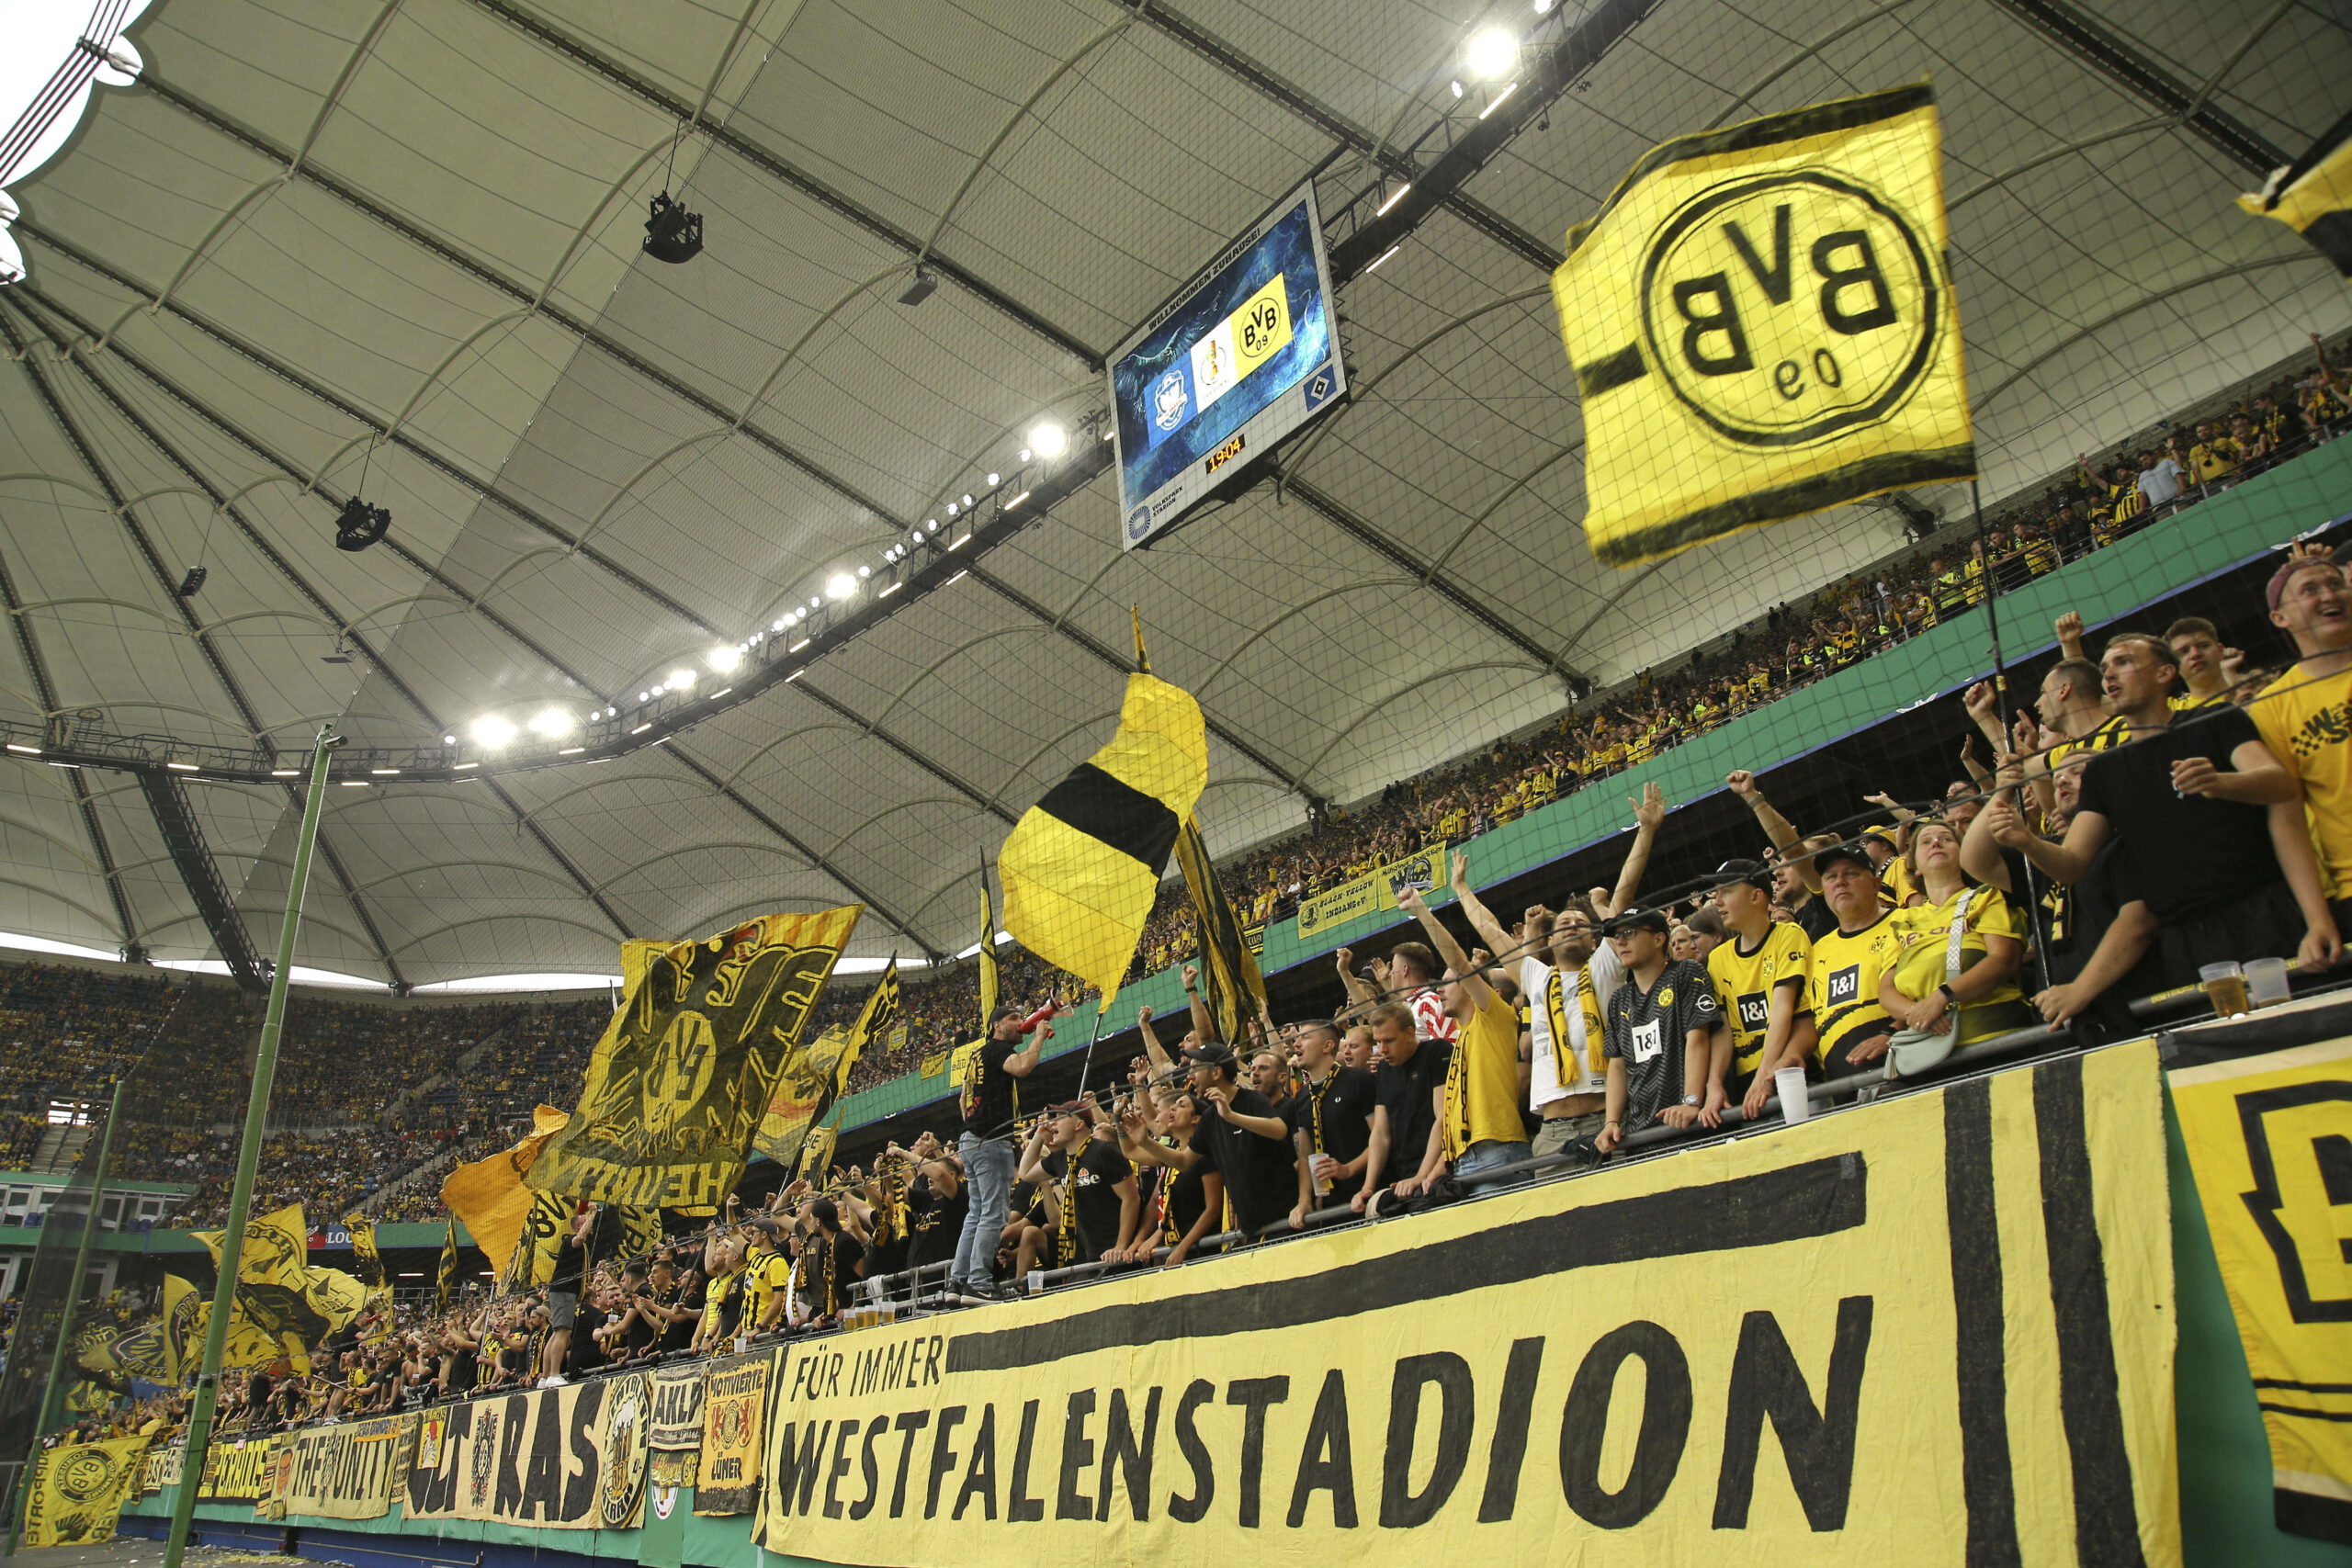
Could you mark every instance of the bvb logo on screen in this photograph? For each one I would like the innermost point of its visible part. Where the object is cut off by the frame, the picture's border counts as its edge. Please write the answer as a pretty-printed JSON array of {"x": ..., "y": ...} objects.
[{"x": 1788, "y": 308}]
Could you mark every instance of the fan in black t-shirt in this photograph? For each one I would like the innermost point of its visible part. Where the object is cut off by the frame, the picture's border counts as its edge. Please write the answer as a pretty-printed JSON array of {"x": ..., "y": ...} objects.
[
  {"x": 935, "y": 1207},
  {"x": 1406, "y": 1143},
  {"x": 1092, "y": 1199},
  {"x": 1330, "y": 1116}
]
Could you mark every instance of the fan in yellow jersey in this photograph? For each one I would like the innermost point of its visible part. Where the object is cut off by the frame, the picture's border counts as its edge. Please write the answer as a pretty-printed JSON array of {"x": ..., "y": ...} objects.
[
  {"x": 1924, "y": 986},
  {"x": 1850, "y": 1027},
  {"x": 1759, "y": 976},
  {"x": 2305, "y": 715},
  {"x": 1481, "y": 1120},
  {"x": 767, "y": 1276}
]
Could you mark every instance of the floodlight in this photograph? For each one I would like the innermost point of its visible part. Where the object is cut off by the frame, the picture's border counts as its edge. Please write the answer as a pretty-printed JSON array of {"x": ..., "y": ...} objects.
[
  {"x": 361, "y": 525},
  {"x": 723, "y": 658},
  {"x": 1492, "y": 53},
  {"x": 492, "y": 730},
  {"x": 1049, "y": 439},
  {"x": 841, "y": 585},
  {"x": 680, "y": 677},
  {"x": 550, "y": 721}
]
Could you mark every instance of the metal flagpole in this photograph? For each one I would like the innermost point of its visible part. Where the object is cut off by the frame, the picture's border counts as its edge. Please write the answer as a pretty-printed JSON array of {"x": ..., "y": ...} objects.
[
  {"x": 1086, "y": 1065},
  {"x": 50, "y": 1393},
  {"x": 232, "y": 1240},
  {"x": 2031, "y": 894}
]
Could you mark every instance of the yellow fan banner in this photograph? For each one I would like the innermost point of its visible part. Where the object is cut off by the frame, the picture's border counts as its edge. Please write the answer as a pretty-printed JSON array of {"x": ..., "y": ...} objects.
[
  {"x": 282, "y": 1305},
  {"x": 488, "y": 1195},
  {"x": 1081, "y": 867},
  {"x": 79, "y": 1492},
  {"x": 2269, "y": 1140},
  {"x": 679, "y": 1081},
  {"x": 1762, "y": 326},
  {"x": 1939, "y": 1333}
]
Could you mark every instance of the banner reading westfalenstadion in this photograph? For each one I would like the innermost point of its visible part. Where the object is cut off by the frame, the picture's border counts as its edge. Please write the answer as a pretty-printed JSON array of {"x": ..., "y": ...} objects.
[
  {"x": 684, "y": 1072},
  {"x": 2269, "y": 1140},
  {"x": 570, "y": 1458},
  {"x": 1375, "y": 889},
  {"x": 1959, "y": 1343}
]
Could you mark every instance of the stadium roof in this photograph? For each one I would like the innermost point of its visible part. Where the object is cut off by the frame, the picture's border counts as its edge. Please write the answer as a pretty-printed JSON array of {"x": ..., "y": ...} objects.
[{"x": 391, "y": 247}]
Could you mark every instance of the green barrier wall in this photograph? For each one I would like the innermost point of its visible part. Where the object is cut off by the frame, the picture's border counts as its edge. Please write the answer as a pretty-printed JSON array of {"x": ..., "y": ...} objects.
[{"x": 2184, "y": 549}]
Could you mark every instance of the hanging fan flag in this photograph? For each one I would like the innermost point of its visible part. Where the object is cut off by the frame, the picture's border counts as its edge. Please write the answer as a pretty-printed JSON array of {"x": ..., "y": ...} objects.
[
  {"x": 1762, "y": 326},
  {"x": 1082, "y": 865},
  {"x": 1230, "y": 982},
  {"x": 988, "y": 949},
  {"x": 2312, "y": 196},
  {"x": 446, "y": 1278},
  {"x": 489, "y": 1195}
]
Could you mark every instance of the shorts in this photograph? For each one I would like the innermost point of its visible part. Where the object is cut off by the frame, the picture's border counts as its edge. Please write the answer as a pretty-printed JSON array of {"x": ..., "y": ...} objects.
[{"x": 563, "y": 1308}]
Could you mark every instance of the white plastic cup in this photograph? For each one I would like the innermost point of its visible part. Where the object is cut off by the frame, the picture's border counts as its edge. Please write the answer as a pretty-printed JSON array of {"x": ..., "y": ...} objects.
[
  {"x": 1036, "y": 1282},
  {"x": 1790, "y": 1083},
  {"x": 2266, "y": 982}
]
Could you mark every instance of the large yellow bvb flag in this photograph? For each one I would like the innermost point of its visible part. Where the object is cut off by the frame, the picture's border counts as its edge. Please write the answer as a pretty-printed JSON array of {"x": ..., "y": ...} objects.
[
  {"x": 1081, "y": 866},
  {"x": 1762, "y": 326}
]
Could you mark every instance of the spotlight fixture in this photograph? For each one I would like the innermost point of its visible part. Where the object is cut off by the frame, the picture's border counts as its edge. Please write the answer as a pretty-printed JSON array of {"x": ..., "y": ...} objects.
[
  {"x": 672, "y": 233},
  {"x": 992, "y": 482},
  {"x": 449, "y": 740},
  {"x": 1491, "y": 54},
  {"x": 361, "y": 525},
  {"x": 680, "y": 677},
  {"x": 952, "y": 509},
  {"x": 967, "y": 504},
  {"x": 551, "y": 721},
  {"x": 1049, "y": 440},
  {"x": 926, "y": 281},
  {"x": 865, "y": 571},
  {"x": 723, "y": 658},
  {"x": 841, "y": 585},
  {"x": 193, "y": 583},
  {"x": 932, "y": 527},
  {"x": 492, "y": 730},
  {"x": 1457, "y": 86}
]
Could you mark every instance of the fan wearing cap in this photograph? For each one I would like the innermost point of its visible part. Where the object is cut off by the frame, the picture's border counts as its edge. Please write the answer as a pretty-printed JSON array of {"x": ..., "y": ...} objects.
[
  {"x": 1760, "y": 977},
  {"x": 2305, "y": 715},
  {"x": 1661, "y": 1028},
  {"x": 1479, "y": 1106},
  {"x": 1849, "y": 1026},
  {"x": 1091, "y": 1200},
  {"x": 1242, "y": 1143},
  {"x": 1795, "y": 878},
  {"x": 2209, "y": 827}
]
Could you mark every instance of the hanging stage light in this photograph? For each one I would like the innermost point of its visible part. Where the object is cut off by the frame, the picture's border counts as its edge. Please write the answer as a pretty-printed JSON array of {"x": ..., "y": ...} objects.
[
  {"x": 192, "y": 583},
  {"x": 673, "y": 233},
  {"x": 361, "y": 525}
]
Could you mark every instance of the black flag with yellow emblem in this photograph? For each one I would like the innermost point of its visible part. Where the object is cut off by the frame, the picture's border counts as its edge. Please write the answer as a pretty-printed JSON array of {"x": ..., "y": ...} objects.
[
  {"x": 1763, "y": 326},
  {"x": 684, "y": 1073},
  {"x": 1231, "y": 983},
  {"x": 988, "y": 948},
  {"x": 447, "y": 1277}
]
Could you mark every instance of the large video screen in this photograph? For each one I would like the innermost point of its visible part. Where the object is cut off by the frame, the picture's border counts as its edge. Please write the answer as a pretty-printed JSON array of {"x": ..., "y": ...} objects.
[{"x": 1246, "y": 358}]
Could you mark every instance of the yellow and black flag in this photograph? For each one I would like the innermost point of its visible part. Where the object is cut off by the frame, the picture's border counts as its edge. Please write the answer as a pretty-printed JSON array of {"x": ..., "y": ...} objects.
[
  {"x": 1231, "y": 983},
  {"x": 1762, "y": 326},
  {"x": 1082, "y": 865},
  {"x": 448, "y": 1277},
  {"x": 2312, "y": 196},
  {"x": 885, "y": 1010},
  {"x": 988, "y": 949},
  {"x": 679, "y": 1082}
]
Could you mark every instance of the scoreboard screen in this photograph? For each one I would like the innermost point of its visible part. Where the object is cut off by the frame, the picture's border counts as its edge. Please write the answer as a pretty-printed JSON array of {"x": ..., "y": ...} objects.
[{"x": 1232, "y": 366}]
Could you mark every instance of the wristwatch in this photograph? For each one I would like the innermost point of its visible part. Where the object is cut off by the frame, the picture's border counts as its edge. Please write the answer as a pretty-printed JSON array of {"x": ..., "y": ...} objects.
[
  {"x": 1951, "y": 998},
  {"x": 1691, "y": 1099}
]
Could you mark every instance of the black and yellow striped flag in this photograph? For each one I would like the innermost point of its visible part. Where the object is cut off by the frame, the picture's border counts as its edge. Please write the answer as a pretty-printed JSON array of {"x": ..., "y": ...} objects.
[
  {"x": 2312, "y": 196},
  {"x": 1231, "y": 983},
  {"x": 883, "y": 1011},
  {"x": 448, "y": 1276},
  {"x": 1081, "y": 867},
  {"x": 988, "y": 949}
]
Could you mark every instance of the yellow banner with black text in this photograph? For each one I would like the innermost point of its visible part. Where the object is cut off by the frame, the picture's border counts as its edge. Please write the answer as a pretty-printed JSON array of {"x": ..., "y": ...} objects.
[
  {"x": 569, "y": 1458},
  {"x": 79, "y": 1489},
  {"x": 2269, "y": 1141},
  {"x": 1372, "y": 891},
  {"x": 1924, "y": 1330}
]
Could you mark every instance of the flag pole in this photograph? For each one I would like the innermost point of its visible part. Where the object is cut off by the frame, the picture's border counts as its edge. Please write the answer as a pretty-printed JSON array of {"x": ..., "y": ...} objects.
[
  {"x": 233, "y": 1238},
  {"x": 1087, "y": 1064},
  {"x": 50, "y": 1392}
]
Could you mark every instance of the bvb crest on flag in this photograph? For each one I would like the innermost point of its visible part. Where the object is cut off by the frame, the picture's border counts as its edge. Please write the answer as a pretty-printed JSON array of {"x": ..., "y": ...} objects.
[
  {"x": 1762, "y": 326},
  {"x": 678, "y": 1083}
]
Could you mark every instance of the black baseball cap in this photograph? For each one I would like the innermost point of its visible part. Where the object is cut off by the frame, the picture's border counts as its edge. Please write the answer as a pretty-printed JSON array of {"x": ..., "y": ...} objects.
[
  {"x": 1755, "y": 873},
  {"x": 1637, "y": 920},
  {"x": 1851, "y": 849},
  {"x": 1211, "y": 1053}
]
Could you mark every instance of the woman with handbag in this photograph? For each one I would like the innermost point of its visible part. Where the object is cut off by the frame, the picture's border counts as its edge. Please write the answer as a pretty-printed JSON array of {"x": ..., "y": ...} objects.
[{"x": 1955, "y": 981}]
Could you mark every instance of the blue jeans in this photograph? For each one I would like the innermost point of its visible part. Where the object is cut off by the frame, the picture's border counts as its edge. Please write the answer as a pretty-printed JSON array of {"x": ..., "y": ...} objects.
[
  {"x": 988, "y": 1170},
  {"x": 1487, "y": 1157}
]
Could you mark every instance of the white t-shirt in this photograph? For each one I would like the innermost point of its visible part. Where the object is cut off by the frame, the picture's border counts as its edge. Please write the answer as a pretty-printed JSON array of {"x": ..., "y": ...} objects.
[
  {"x": 1552, "y": 1076},
  {"x": 2162, "y": 482}
]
